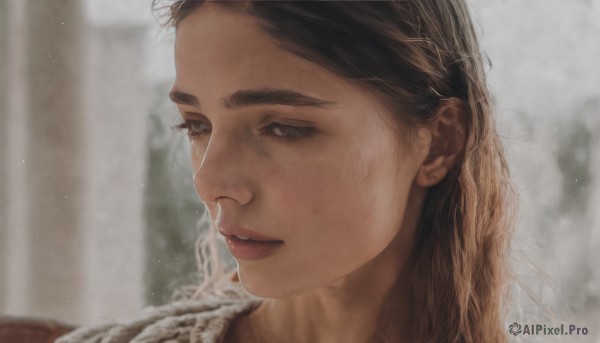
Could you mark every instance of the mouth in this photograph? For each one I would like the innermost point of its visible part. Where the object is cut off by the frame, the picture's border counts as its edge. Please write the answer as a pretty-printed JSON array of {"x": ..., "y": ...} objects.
[
  {"x": 253, "y": 239},
  {"x": 250, "y": 249},
  {"x": 244, "y": 233},
  {"x": 246, "y": 244}
]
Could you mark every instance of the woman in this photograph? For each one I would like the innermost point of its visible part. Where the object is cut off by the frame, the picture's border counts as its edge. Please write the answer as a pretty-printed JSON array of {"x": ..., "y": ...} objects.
[{"x": 347, "y": 154}]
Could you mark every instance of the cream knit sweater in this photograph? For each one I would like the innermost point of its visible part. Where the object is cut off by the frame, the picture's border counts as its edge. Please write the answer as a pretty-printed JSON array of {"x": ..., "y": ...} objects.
[{"x": 189, "y": 321}]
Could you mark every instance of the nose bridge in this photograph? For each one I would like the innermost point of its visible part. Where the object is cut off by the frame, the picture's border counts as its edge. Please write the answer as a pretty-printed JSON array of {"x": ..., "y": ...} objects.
[{"x": 223, "y": 170}]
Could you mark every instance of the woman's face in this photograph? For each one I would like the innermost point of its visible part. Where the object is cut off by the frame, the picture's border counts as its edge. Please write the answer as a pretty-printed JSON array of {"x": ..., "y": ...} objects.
[{"x": 330, "y": 177}]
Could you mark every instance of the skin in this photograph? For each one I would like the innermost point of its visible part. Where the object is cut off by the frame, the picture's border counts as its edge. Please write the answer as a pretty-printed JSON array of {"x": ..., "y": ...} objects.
[{"x": 345, "y": 200}]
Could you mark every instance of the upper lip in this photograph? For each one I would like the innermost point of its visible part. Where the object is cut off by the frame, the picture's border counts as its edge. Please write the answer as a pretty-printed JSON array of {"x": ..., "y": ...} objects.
[{"x": 227, "y": 229}]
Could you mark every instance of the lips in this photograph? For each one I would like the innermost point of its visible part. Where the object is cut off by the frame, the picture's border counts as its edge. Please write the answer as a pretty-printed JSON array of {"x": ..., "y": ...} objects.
[
  {"x": 243, "y": 233},
  {"x": 246, "y": 244}
]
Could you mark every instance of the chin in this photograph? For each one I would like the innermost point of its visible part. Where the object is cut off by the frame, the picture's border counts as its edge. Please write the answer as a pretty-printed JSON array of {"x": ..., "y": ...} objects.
[{"x": 266, "y": 287}]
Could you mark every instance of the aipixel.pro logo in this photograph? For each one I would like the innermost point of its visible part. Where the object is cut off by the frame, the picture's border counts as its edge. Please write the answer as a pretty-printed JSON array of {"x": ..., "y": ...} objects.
[{"x": 546, "y": 330}]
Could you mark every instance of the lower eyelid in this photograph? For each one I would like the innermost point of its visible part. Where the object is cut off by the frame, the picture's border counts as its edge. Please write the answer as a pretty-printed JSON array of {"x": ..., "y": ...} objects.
[
  {"x": 188, "y": 125},
  {"x": 299, "y": 132}
]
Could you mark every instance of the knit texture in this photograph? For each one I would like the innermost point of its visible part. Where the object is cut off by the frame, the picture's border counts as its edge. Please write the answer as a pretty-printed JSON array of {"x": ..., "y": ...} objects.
[{"x": 188, "y": 321}]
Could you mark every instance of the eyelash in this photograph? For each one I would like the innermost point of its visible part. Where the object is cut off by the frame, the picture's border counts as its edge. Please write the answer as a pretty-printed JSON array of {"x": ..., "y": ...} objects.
[{"x": 299, "y": 132}]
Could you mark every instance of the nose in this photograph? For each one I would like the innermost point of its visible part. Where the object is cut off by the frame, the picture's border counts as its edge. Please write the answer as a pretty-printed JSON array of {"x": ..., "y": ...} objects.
[{"x": 224, "y": 171}]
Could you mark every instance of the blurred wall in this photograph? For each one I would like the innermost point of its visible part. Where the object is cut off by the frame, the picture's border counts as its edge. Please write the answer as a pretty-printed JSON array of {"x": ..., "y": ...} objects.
[
  {"x": 3, "y": 149},
  {"x": 14, "y": 232},
  {"x": 44, "y": 159},
  {"x": 115, "y": 129},
  {"x": 76, "y": 133},
  {"x": 54, "y": 177},
  {"x": 546, "y": 80}
]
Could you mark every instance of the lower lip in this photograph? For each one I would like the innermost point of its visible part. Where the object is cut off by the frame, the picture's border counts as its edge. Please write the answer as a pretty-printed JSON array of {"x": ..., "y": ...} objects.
[{"x": 249, "y": 249}]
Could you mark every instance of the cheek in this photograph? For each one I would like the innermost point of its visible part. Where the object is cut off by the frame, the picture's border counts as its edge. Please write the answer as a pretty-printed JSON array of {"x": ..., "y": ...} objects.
[
  {"x": 341, "y": 200},
  {"x": 334, "y": 215},
  {"x": 304, "y": 190}
]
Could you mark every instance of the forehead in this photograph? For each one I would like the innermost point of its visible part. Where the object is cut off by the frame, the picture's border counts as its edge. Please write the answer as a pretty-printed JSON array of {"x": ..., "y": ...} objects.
[{"x": 219, "y": 50}]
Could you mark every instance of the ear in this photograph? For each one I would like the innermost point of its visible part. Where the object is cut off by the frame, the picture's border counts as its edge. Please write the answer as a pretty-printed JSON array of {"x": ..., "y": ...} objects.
[{"x": 448, "y": 139}]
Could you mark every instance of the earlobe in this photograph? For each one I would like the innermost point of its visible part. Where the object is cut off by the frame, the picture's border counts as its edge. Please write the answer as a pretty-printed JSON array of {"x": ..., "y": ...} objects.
[
  {"x": 432, "y": 173},
  {"x": 448, "y": 139}
]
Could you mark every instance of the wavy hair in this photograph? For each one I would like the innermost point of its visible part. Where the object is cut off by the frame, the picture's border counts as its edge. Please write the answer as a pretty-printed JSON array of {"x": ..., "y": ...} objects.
[{"x": 413, "y": 55}]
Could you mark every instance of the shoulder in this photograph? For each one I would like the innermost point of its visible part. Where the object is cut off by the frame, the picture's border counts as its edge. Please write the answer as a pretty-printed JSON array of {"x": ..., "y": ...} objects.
[{"x": 197, "y": 321}]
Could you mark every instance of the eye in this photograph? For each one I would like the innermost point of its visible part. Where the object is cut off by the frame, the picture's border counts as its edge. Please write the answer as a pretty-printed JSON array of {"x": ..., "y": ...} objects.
[
  {"x": 193, "y": 127},
  {"x": 288, "y": 132}
]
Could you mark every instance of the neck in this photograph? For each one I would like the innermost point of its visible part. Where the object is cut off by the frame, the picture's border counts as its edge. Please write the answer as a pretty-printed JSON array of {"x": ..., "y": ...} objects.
[{"x": 371, "y": 303}]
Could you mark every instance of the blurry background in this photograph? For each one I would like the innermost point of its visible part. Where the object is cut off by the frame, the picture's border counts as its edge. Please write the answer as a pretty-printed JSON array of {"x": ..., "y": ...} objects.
[{"x": 97, "y": 208}]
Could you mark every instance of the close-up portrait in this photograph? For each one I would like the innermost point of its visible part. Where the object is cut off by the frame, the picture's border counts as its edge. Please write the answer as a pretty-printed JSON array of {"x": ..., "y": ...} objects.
[{"x": 252, "y": 171}]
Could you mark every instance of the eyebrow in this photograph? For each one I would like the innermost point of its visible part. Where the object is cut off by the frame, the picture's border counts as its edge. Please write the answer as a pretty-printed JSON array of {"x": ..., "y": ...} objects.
[{"x": 267, "y": 96}]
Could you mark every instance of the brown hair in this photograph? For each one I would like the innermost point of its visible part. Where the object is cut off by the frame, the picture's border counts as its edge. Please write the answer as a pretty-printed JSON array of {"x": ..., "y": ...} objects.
[{"x": 413, "y": 55}]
